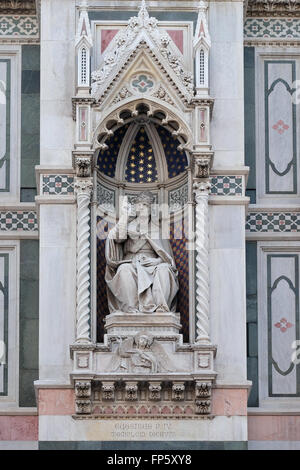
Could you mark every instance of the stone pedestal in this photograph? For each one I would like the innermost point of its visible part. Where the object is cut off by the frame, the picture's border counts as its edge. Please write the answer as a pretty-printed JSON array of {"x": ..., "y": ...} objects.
[{"x": 157, "y": 324}]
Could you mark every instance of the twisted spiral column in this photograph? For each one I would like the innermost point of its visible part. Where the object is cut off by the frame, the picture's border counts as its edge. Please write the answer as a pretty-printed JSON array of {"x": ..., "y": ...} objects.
[
  {"x": 83, "y": 190},
  {"x": 201, "y": 190}
]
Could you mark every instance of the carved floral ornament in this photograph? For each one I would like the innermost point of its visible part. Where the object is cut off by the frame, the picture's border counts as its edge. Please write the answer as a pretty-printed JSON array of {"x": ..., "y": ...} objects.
[
  {"x": 16, "y": 7},
  {"x": 273, "y": 8}
]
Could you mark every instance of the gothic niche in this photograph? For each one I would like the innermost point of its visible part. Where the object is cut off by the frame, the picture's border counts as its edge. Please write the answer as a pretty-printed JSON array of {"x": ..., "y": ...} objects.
[
  {"x": 150, "y": 354},
  {"x": 142, "y": 156}
]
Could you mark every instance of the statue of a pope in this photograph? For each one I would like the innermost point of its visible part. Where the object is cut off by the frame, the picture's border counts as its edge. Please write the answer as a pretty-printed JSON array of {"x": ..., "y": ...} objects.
[{"x": 141, "y": 274}]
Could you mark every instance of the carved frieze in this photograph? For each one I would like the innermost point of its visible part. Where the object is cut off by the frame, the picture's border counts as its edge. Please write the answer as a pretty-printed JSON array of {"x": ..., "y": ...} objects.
[
  {"x": 140, "y": 354},
  {"x": 18, "y": 7},
  {"x": 146, "y": 398},
  {"x": 275, "y": 8}
]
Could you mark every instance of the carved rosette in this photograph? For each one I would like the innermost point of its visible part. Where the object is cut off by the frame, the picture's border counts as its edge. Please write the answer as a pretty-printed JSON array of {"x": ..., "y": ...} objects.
[
  {"x": 201, "y": 191},
  {"x": 83, "y": 189}
]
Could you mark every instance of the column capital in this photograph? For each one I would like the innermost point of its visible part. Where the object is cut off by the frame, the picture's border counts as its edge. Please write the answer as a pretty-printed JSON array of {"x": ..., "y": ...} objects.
[
  {"x": 201, "y": 188},
  {"x": 83, "y": 186}
]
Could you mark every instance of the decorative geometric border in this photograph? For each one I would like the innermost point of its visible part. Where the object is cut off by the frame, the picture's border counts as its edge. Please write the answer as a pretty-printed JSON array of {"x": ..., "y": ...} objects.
[
  {"x": 272, "y": 28},
  {"x": 226, "y": 185},
  {"x": 57, "y": 185},
  {"x": 19, "y": 26},
  {"x": 273, "y": 222},
  {"x": 18, "y": 220}
]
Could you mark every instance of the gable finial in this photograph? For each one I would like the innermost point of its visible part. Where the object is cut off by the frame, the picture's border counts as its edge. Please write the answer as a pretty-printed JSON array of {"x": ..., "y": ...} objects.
[
  {"x": 83, "y": 45},
  {"x": 202, "y": 6},
  {"x": 83, "y": 5},
  {"x": 143, "y": 12}
]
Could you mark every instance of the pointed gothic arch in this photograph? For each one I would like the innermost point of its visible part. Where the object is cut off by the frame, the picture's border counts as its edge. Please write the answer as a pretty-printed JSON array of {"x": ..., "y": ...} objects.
[{"x": 171, "y": 187}]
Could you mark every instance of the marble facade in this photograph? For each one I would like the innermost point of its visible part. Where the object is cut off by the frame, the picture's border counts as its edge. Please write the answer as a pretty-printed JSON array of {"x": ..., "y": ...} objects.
[{"x": 206, "y": 83}]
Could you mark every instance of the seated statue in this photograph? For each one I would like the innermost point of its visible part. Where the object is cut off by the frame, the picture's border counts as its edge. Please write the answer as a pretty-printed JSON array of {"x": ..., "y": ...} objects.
[{"x": 141, "y": 274}]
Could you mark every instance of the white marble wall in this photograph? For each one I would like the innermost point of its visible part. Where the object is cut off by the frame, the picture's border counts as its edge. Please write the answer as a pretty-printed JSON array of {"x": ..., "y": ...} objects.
[
  {"x": 64, "y": 428},
  {"x": 226, "y": 83},
  {"x": 228, "y": 291},
  {"x": 227, "y": 220},
  {"x": 57, "y": 290},
  {"x": 57, "y": 81},
  {"x": 57, "y": 223}
]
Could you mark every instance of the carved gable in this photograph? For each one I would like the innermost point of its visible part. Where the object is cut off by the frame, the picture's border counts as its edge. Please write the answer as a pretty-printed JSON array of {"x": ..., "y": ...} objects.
[
  {"x": 142, "y": 57},
  {"x": 142, "y": 78}
]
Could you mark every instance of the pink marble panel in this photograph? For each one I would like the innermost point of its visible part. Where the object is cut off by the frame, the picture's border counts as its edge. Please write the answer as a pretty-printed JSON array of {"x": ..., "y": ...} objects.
[
  {"x": 106, "y": 36},
  {"x": 18, "y": 428},
  {"x": 177, "y": 36},
  {"x": 60, "y": 401},
  {"x": 274, "y": 428},
  {"x": 229, "y": 402}
]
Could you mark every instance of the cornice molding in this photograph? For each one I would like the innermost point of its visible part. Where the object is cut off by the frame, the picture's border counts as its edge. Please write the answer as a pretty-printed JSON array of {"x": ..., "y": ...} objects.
[
  {"x": 275, "y": 8},
  {"x": 18, "y": 7}
]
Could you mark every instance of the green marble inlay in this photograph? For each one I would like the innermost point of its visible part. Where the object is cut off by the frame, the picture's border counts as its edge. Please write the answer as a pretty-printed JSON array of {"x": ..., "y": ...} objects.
[
  {"x": 249, "y": 98},
  {"x": 112, "y": 15},
  {"x": 5, "y": 95},
  {"x": 143, "y": 445},
  {"x": 29, "y": 321},
  {"x": 4, "y": 292},
  {"x": 30, "y": 120},
  {"x": 252, "y": 338}
]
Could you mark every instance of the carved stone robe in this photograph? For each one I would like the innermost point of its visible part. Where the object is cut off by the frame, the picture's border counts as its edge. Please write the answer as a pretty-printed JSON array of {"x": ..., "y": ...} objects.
[{"x": 141, "y": 274}]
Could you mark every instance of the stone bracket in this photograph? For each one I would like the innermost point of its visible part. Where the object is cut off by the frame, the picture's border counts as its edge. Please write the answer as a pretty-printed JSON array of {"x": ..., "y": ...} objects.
[{"x": 83, "y": 404}]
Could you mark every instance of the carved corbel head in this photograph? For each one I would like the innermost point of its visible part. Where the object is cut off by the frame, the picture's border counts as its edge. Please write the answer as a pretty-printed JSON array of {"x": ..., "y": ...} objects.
[
  {"x": 202, "y": 167},
  {"x": 202, "y": 164},
  {"x": 83, "y": 166}
]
